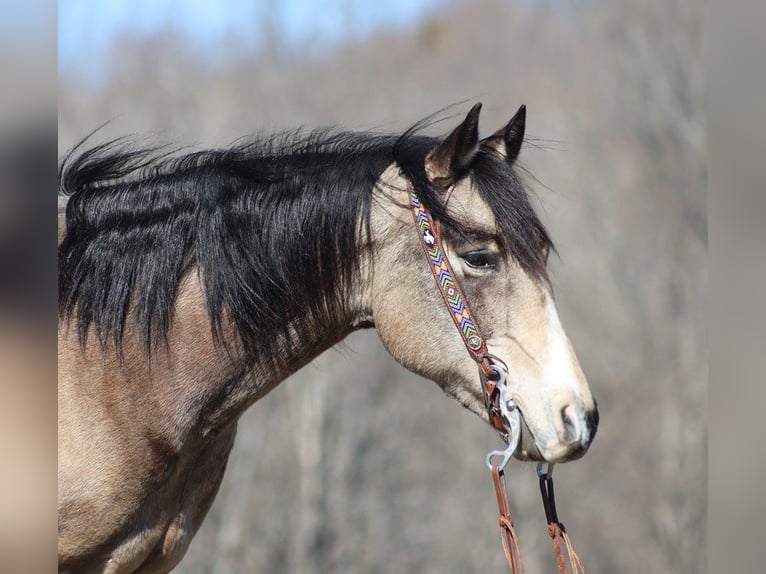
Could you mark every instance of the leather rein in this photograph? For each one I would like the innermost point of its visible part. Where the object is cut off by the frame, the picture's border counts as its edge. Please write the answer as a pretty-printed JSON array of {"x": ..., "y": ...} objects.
[{"x": 502, "y": 412}]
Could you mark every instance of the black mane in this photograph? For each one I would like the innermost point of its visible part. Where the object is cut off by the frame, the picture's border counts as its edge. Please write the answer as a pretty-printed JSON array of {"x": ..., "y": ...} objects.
[{"x": 271, "y": 225}]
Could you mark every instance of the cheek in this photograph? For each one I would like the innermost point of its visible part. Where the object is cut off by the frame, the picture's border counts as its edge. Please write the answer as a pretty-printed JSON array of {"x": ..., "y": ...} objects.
[
  {"x": 402, "y": 311},
  {"x": 415, "y": 327},
  {"x": 418, "y": 338},
  {"x": 489, "y": 299}
]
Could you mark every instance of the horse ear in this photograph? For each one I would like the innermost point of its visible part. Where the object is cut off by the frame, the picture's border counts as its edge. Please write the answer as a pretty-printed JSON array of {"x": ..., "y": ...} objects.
[
  {"x": 451, "y": 159},
  {"x": 507, "y": 140}
]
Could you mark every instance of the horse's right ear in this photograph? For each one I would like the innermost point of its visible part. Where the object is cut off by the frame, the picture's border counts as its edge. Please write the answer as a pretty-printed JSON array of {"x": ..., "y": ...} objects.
[
  {"x": 451, "y": 160},
  {"x": 507, "y": 140}
]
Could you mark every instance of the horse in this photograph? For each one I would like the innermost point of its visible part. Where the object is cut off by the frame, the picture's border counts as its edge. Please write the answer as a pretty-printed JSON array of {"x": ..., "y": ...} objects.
[{"x": 191, "y": 283}]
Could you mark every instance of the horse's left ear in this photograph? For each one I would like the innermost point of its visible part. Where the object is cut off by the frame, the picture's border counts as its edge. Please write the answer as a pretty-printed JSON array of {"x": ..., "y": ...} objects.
[
  {"x": 507, "y": 140},
  {"x": 451, "y": 159}
]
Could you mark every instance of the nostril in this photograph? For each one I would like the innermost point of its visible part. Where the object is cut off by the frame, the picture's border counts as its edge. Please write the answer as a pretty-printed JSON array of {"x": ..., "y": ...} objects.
[{"x": 569, "y": 417}]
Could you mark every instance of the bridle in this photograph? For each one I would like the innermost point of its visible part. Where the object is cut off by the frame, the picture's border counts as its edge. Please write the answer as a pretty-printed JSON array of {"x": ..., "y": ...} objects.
[
  {"x": 491, "y": 368},
  {"x": 502, "y": 412}
]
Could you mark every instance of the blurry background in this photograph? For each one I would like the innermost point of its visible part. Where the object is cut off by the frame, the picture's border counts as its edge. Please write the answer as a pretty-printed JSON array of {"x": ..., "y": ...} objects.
[
  {"x": 355, "y": 465},
  {"x": 27, "y": 286}
]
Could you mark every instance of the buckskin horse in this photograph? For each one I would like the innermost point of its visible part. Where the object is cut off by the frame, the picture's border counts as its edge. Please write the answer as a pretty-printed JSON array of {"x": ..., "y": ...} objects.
[{"x": 192, "y": 283}]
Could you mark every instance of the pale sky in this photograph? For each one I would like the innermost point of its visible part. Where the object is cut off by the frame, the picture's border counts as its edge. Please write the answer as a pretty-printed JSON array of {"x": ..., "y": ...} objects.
[{"x": 86, "y": 28}]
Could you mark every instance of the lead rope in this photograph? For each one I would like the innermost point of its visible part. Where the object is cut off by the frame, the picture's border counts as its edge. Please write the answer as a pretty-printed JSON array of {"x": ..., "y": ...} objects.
[
  {"x": 502, "y": 411},
  {"x": 556, "y": 529},
  {"x": 496, "y": 461},
  {"x": 508, "y": 536}
]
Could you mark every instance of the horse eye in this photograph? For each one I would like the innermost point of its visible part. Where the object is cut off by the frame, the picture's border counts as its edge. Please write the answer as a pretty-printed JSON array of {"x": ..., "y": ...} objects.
[{"x": 481, "y": 259}]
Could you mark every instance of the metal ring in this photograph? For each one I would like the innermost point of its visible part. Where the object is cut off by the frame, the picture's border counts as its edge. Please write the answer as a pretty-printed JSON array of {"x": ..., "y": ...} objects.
[
  {"x": 548, "y": 473},
  {"x": 505, "y": 454},
  {"x": 495, "y": 360},
  {"x": 501, "y": 373}
]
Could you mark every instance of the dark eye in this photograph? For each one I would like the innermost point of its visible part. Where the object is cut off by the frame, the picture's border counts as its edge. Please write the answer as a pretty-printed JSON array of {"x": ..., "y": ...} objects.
[{"x": 482, "y": 259}]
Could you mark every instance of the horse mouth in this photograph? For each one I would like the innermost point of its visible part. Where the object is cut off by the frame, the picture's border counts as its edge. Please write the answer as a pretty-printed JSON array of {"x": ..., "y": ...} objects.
[{"x": 527, "y": 447}]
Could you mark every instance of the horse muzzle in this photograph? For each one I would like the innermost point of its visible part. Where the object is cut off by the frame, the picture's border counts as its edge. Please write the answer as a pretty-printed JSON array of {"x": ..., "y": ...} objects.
[{"x": 574, "y": 434}]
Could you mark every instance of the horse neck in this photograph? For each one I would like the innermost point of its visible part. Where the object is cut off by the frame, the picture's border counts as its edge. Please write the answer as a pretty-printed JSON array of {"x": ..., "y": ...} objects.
[
  {"x": 217, "y": 380},
  {"x": 202, "y": 381}
]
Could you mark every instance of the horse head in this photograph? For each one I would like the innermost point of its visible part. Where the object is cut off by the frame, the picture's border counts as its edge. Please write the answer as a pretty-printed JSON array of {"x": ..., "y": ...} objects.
[{"x": 498, "y": 249}]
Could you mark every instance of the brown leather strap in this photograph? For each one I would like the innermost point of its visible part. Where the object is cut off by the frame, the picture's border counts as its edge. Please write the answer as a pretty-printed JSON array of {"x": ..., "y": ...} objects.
[
  {"x": 457, "y": 305},
  {"x": 557, "y": 531},
  {"x": 508, "y": 536}
]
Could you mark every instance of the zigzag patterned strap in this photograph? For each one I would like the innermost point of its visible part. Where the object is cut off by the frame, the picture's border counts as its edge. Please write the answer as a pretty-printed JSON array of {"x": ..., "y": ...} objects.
[
  {"x": 446, "y": 282},
  {"x": 458, "y": 308}
]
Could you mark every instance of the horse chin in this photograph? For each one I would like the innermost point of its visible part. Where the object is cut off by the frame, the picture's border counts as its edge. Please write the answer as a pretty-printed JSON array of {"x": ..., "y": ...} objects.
[{"x": 527, "y": 449}]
